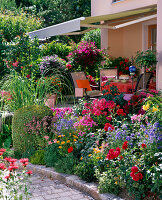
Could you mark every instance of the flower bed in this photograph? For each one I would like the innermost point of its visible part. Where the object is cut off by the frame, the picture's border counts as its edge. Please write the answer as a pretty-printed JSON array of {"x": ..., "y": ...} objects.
[{"x": 110, "y": 141}]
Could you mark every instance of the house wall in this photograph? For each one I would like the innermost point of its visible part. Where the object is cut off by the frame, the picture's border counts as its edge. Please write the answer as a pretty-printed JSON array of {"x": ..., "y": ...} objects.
[
  {"x": 159, "y": 46},
  {"x": 103, "y": 7},
  {"x": 125, "y": 41}
]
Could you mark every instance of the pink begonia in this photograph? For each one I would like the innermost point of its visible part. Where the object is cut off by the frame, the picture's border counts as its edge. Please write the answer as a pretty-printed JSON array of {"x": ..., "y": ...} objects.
[
  {"x": 136, "y": 118},
  {"x": 46, "y": 137},
  {"x": 149, "y": 95},
  {"x": 81, "y": 133},
  {"x": 154, "y": 91},
  {"x": 49, "y": 142},
  {"x": 55, "y": 140}
]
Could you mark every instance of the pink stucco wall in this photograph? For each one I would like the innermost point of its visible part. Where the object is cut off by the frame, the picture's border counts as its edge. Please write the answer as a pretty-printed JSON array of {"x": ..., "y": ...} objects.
[
  {"x": 125, "y": 41},
  {"x": 103, "y": 7},
  {"x": 159, "y": 46}
]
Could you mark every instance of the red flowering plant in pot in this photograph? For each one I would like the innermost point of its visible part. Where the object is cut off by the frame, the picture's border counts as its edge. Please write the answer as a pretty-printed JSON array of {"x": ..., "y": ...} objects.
[{"x": 13, "y": 184}]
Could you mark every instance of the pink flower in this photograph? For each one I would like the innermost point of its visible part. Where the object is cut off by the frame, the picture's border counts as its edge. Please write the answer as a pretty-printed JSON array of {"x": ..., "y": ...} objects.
[
  {"x": 49, "y": 142},
  {"x": 46, "y": 137},
  {"x": 29, "y": 172},
  {"x": 55, "y": 140}
]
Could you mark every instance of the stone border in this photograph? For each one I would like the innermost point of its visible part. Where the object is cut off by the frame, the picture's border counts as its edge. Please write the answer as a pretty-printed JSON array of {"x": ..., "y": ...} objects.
[{"x": 72, "y": 180}]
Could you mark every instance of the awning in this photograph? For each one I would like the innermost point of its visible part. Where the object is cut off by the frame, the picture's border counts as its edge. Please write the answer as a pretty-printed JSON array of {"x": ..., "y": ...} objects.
[{"x": 70, "y": 27}]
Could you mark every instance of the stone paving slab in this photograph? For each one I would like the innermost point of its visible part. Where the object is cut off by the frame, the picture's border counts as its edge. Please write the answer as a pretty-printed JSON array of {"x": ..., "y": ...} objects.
[{"x": 44, "y": 188}]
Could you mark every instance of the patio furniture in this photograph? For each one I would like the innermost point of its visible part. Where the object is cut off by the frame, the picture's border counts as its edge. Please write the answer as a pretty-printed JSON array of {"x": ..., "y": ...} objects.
[
  {"x": 105, "y": 74},
  {"x": 82, "y": 87}
]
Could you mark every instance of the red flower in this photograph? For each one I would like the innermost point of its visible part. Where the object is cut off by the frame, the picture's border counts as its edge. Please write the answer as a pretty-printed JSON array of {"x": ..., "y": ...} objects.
[
  {"x": 120, "y": 112},
  {"x": 134, "y": 169},
  {"x": 108, "y": 127},
  {"x": 29, "y": 172},
  {"x": 113, "y": 154},
  {"x": 116, "y": 67},
  {"x": 2, "y": 166},
  {"x": 28, "y": 76},
  {"x": 70, "y": 149},
  {"x": 24, "y": 161},
  {"x": 120, "y": 73},
  {"x": 127, "y": 68},
  {"x": 125, "y": 145},
  {"x": 2, "y": 150},
  {"x": 121, "y": 62},
  {"x": 126, "y": 60},
  {"x": 143, "y": 145},
  {"x": 121, "y": 157},
  {"x": 7, "y": 177},
  {"x": 12, "y": 167},
  {"x": 69, "y": 66}
]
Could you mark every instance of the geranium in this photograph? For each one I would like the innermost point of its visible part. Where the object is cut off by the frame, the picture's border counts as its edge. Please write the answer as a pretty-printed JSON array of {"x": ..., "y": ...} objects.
[
  {"x": 108, "y": 127},
  {"x": 125, "y": 145},
  {"x": 70, "y": 149},
  {"x": 113, "y": 153},
  {"x": 29, "y": 172},
  {"x": 143, "y": 145},
  {"x": 120, "y": 112}
]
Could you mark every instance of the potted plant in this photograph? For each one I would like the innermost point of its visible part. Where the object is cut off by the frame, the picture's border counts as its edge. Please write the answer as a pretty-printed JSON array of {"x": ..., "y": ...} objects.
[{"x": 145, "y": 60}]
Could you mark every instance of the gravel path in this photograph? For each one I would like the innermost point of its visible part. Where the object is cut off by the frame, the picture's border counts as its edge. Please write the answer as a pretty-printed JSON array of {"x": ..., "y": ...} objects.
[{"x": 43, "y": 188}]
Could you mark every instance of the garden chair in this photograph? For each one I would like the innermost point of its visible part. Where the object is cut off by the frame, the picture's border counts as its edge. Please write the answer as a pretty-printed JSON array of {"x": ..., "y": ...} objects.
[
  {"x": 109, "y": 73},
  {"x": 139, "y": 85},
  {"x": 82, "y": 87}
]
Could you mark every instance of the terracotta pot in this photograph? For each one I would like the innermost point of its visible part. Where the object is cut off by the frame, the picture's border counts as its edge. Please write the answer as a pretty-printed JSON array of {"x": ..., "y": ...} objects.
[{"x": 51, "y": 100}]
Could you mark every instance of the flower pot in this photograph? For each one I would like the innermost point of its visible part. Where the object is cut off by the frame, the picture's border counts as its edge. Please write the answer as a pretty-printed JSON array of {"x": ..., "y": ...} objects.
[{"x": 51, "y": 100}]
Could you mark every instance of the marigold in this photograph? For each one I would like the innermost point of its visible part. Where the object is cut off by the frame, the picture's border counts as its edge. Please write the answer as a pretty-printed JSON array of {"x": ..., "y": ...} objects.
[
  {"x": 62, "y": 142},
  {"x": 60, "y": 147},
  {"x": 81, "y": 158},
  {"x": 68, "y": 141},
  {"x": 89, "y": 155},
  {"x": 58, "y": 142},
  {"x": 97, "y": 157},
  {"x": 74, "y": 140},
  {"x": 59, "y": 136}
]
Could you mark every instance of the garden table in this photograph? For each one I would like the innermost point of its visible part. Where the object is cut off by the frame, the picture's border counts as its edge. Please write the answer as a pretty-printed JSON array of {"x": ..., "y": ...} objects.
[{"x": 122, "y": 87}]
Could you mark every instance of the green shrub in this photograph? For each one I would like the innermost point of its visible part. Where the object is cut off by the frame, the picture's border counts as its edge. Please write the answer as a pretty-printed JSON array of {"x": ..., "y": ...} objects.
[
  {"x": 17, "y": 23},
  {"x": 62, "y": 50},
  {"x": 86, "y": 170},
  {"x": 52, "y": 155},
  {"x": 22, "y": 140},
  {"x": 38, "y": 158},
  {"x": 93, "y": 36}
]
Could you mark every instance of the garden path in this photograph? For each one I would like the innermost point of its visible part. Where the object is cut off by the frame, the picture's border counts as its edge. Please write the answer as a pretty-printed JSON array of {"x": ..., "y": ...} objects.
[{"x": 43, "y": 188}]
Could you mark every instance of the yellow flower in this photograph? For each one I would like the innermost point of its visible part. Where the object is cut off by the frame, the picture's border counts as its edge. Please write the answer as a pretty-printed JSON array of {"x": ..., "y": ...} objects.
[
  {"x": 154, "y": 109},
  {"x": 60, "y": 147},
  {"x": 81, "y": 158},
  {"x": 62, "y": 142},
  {"x": 97, "y": 157},
  {"x": 146, "y": 107},
  {"x": 58, "y": 142},
  {"x": 63, "y": 135},
  {"x": 75, "y": 140},
  {"x": 69, "y": 133},
  {"x": 89, "y": 155},
  {"x": 68, "y": 141},
  {"x": 100, "y": 147},
  {"x": 116, "y": 182},
  {"x": 59, "y": 135},
  {"x": 146, "y": 136}
]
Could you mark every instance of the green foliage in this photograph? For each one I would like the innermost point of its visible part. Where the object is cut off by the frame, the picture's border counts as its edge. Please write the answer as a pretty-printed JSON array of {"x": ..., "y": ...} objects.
[
  {"x": 7, "y": 5},
  {"x": 93, "y": 36},
  {"x": 23, "y": 56},
  {"x": 52, "y": 155},
  {"x": 38, "y": 158},
  {"x": 6, "y": 136},
  {"x": 23, "y": 140},
  {"x": 54, "y": 12},
  {"x": 147, "y": 59},
  {"x": 86, "y": 170},
  {"x": 3, "y": 70},
  {"x": 17, "y": 23},
  {"x": 24, "y": 92},
  {"x": 62, "y": 50},
  {"x": 66, "y": 164}
]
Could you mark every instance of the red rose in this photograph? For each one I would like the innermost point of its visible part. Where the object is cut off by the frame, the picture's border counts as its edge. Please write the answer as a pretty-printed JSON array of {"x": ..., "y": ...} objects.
[
  {"x": 143, "y": 145},
  {"x": 113, "y": 154},
  {"x": 108, "y": 127},
  {"x": 70, "y": 149},
  {"x": 137, "y": 177},
  {"x": 125, "y": 145},
  {"x": 127, "y": 68},
  {"x": 134, "y": 169}
]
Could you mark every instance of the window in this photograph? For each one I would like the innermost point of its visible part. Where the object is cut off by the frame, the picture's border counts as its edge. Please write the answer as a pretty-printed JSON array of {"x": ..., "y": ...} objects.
[{"x": 152, "y": 37}]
